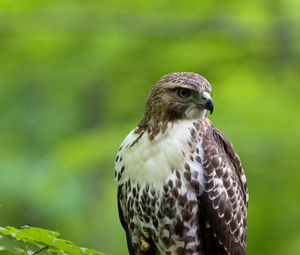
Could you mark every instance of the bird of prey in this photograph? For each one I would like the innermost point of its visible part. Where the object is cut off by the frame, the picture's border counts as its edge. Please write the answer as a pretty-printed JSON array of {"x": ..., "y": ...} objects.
[{"x": 181, "y": 186}]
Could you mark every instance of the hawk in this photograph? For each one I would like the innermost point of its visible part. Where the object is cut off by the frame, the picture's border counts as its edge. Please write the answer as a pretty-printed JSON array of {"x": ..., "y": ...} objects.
[{"x": 181, "y": 186}]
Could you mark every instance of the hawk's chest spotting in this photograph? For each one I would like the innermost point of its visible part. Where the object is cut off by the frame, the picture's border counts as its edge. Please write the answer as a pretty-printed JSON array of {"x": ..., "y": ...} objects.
[{"x": 159, "y": 182}]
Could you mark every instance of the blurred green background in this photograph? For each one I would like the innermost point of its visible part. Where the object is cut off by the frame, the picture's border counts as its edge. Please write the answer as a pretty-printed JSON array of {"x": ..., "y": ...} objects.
[{"x": 74, "y": 76}]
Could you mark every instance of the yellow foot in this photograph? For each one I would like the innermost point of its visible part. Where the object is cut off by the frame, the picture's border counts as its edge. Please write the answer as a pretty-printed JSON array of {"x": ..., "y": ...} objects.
[
  {"x": 146, "y": 235},
  {"x": 145, "y": 246}
]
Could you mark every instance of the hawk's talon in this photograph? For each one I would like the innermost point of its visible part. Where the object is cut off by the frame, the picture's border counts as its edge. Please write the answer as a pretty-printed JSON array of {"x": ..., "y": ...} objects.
[
  {"x": 144, "y": 245},
  {"x": 146, "y": 235}
]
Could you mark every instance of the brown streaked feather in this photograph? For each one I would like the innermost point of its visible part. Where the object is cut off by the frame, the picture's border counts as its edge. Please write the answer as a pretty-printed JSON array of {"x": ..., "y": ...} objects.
[
  {"x": 124, "y": 225},
  {"x": 234, "y": 158},
  {"x": 223, "y": 205},
  {"x": 132, "y": 251}
]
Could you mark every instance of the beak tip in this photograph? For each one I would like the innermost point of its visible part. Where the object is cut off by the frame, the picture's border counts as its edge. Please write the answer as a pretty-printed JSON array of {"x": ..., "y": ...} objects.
[{"x": 210, "y": 106}]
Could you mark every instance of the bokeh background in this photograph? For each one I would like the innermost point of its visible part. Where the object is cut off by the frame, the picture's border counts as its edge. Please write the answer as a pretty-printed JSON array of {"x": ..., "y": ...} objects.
[{"x": 74, "y": 76}]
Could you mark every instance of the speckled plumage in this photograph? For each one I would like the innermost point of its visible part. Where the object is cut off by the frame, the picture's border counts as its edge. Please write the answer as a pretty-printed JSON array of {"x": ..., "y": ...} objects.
[{"x": 181, "y": 187}]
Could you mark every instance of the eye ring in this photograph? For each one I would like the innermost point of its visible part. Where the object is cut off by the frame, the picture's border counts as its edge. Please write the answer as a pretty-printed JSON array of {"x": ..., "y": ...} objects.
[{"x": 183, "y": 93}]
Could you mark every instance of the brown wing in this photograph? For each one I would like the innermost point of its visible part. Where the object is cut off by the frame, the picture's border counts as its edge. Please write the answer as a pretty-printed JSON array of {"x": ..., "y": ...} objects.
[
  {"x": 223, "y": 205},
  {"x": 124, "y": 225}
]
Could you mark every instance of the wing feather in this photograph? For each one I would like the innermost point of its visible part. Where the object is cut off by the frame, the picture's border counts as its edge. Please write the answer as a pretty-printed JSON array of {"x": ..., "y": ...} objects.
[
  {"x": 223, "y": 204},
  {"x": 124, "y": 225}
]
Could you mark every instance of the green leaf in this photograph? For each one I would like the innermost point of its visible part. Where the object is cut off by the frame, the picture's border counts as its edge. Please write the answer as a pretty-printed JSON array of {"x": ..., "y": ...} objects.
[{"x": 43, "y": 240}]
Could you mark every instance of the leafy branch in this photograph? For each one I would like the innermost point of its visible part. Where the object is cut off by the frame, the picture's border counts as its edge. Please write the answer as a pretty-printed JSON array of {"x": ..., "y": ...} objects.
[{"x": 34, "y": 241}]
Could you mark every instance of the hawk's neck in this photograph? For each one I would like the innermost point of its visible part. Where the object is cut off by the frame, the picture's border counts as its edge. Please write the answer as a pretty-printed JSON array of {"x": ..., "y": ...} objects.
[{"x": 154, "y": 127}]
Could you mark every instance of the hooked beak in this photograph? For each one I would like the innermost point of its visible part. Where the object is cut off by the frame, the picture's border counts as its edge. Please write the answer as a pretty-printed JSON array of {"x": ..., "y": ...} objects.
[{"x": 207, "y": 102}]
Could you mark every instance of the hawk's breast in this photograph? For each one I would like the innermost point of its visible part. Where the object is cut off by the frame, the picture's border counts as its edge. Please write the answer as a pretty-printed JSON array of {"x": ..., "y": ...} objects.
[
  {"x": 152, "y": 161},
  {"x": 160, "y": 180}
]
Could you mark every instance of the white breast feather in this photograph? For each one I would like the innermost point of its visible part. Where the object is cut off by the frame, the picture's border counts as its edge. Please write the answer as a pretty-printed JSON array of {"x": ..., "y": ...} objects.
[{"x": 152, "y": 162}]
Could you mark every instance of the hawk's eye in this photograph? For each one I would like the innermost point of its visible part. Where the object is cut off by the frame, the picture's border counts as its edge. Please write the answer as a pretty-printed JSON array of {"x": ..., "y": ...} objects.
[{"x": 183, "y": 93}]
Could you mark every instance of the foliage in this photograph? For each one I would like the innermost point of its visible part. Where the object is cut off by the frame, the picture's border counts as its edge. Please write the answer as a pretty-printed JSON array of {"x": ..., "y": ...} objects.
[{"x": 31, "y": 241}]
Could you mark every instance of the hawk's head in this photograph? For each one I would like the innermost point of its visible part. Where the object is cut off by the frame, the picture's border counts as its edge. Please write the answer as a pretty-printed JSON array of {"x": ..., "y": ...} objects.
[{"x": 177, "y": 96}]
